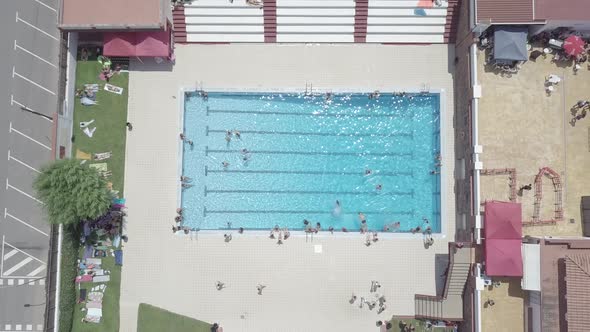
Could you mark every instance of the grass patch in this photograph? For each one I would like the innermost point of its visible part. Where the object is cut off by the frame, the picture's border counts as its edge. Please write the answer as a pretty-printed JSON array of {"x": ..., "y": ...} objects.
[
  {"x": 154, "y": 319},
  {"x": 70, "y": 247},
  {"x": 110, "y": 117}
]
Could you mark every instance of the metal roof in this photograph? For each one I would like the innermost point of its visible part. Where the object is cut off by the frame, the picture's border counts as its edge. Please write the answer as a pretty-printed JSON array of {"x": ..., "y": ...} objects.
[{"x": 577, "y": 280}]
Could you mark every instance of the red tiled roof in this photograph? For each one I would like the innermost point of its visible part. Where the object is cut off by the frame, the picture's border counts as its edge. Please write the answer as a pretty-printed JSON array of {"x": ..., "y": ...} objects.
[
  {"x": 577, "y": 271},
  {"x": 505, "y": 11},
  {"x": 562, "y": 9}
]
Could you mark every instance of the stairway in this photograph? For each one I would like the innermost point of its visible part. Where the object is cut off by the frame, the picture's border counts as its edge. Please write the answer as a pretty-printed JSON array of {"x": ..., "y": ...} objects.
[
  {"x": 452, "y": 22},
  {"x": 448, "y": 306},
  {"x": 406, "y": 21},
  {"x": 313, "y": 21},
  {"x": 221, "y": 21},
  {"x": 178, "y": 20}
]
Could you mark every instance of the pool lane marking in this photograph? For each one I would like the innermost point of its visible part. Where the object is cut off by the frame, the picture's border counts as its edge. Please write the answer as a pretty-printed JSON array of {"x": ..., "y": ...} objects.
[
  {"x": 205, "y": 211},
  {"x": 6, "y": 214},
  {"x": 207, "y": 171},
  {"x": 336, "y": 115},
  {"x": 11, "y": 129},
  {"x": 34, "y": 27},
  {"x": 386, "y": 154},
  {"x": 22, "y": 192},
  {"x": 46, "y": 6},
  {"x": 309, "y": 192},
  {"x": 22, "y": 163},
  {"x": 13, "y": 101},
  {"x": 14, "y": 73},
  {"x": 309, "y": 133},
  {"x": 16, "y": 46}
]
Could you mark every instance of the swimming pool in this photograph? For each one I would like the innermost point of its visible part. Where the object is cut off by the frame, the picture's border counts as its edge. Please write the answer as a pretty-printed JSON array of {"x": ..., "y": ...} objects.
[{"x": 304, "y": 153}]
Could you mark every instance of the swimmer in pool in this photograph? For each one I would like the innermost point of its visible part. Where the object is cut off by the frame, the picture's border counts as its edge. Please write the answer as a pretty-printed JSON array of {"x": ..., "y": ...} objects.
[{"x": 337, "y": 209}]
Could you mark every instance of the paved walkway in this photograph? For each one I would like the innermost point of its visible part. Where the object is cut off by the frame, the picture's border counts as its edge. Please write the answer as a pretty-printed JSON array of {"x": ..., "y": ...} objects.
[{"x": 306, "y": 291}]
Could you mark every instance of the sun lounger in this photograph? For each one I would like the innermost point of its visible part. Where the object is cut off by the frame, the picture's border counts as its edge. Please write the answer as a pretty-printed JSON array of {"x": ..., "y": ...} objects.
[
  {"x": 113, "y": 88},
  {"x": 92, "y": 87},
  {"x": 102, "y": 155},
  {"x": 101, "y": 278},
  {"x": 94, "y": 305},
  {"x": 553, "y": 79},
  {"x": 92, "y": 319},
  {"x": 100, "y": 167},
  {"x": 82, "y": 155},
  {"x": 82, "y": 297}
]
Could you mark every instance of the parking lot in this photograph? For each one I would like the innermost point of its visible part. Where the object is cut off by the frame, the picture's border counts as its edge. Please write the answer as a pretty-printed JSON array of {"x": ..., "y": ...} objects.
[{"x": 29, "y": 80}]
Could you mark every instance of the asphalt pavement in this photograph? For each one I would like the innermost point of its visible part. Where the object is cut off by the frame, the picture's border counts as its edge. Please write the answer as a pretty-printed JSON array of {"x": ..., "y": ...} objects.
[{"x": 29, "y": 51}]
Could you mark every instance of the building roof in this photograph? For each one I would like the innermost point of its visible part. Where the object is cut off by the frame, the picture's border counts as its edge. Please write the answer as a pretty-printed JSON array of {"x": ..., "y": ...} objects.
[
  {"x": 112, "y": 14},
  {"x": 577, "y": 271},
  {"x": 504, "y": 11},
  {"x": 562, "y": 10}
]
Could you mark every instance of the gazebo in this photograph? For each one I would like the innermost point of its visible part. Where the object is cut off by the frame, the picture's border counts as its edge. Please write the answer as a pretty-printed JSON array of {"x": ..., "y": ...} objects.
[{"x": 503, "y": 239}]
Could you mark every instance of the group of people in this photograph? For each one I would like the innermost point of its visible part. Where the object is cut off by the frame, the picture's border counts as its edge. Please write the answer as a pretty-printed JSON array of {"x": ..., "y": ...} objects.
[
  {"x": 186, "y": 140},
  {"x": 221, "y": 285},
  {"x": 185, "y": 182},
  {"x": 379, "y": 299},
  {"x": 579, "y": 111},
  {"x": 279, "y": 234},
  {"x": 438, "y": 164}
]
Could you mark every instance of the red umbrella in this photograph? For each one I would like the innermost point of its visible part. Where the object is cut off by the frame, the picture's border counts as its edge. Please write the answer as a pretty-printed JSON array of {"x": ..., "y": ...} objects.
[{"x": 573, "y": 45}]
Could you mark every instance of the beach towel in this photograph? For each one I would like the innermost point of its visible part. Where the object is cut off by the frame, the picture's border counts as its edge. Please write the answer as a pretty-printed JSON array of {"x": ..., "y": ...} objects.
[
  {"x": 118, "y": 257},
  {"x": 82, "y": 296},
  {"x": 95, "y": 296},
  {"x": 119, "y": 201},
  {"x": 102, "y": 155},
  {"x": 113, "y": 88},
  {"x": 84, "y": 278},
  {"x": 89, "y": 132},
  {"x": 92, "y": 87},
  {"x": 99, "y": 253},
  {"x": 87, "y": 101},
  {"x": 88, "y": 251},
  {"x": 94, "y": 305},
  {"x": 116, "y": 242},
  {"x": 96, "y": 261},
  {"x": 100, "y": 167},
  {"x": 82, "y": 155},
  {"x": 92, "y": 319},
  {"x": 101, "y": 278}
]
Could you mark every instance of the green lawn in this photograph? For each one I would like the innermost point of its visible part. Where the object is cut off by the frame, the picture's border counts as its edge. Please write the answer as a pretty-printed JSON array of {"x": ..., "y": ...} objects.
[
  {"x": 110, "y": 117},
  {"x": 154, "y": 319}
]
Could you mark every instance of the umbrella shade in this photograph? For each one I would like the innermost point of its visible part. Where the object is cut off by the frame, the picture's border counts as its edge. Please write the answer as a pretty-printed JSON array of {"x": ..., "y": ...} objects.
[
  {"x": 503, "y": 220},
  {"x": 510, "y": 43},
  {"x": 573, "y": 45},
  {"x": 503, "y": 258}
]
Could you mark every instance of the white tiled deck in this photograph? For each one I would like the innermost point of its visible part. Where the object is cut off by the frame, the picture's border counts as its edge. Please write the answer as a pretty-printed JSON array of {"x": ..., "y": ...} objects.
[{"x": 306, "y": 291}]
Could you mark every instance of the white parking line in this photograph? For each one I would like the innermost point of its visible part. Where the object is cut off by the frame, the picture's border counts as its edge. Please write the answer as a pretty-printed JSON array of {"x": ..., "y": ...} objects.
[
  {"x": 14, "y": 73},
  {"x": 46, "y": 6},
  {"x": 17, "y": 266},
  {"x": 36, "y": 271},
  {"x": 6, "y": 214},
  {"x": 22, "y": 163},
  {"x": 16, "y": 46},
  {"x": 2, "y": 261},
  {"x": 29, "y": 255},
  {"x": 22, "y": 192},
  {"x": 13, "y": 101},
  {"x": 10, "y": 129},
  {"x": 34, "y": 27},
  {"x": 10, "y": 254}
]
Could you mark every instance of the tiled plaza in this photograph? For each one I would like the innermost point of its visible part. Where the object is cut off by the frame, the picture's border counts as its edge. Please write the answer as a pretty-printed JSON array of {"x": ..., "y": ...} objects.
[{"x": 308, "y": 283}]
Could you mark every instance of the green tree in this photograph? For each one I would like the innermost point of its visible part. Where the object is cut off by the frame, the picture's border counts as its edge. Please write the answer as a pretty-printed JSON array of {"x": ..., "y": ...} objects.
[{"x": 72, "y": 192}]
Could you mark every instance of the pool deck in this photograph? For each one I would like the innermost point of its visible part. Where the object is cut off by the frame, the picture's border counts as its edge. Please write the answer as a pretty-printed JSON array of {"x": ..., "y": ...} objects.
[{"x": 305, "y": 290}]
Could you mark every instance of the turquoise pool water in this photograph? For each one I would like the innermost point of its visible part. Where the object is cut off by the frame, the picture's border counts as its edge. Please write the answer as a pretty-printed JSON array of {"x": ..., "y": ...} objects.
[{"x": 305, "y": 153}]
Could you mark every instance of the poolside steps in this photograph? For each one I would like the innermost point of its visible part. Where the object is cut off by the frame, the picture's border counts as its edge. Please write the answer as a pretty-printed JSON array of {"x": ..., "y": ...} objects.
[
  {"x": 449, "y": 304},
  {"x": 312, "y": 21}
]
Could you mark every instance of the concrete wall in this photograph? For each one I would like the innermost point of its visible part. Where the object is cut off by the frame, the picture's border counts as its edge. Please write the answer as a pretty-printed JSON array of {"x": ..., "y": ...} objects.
[{"x": 581, "y": 26}]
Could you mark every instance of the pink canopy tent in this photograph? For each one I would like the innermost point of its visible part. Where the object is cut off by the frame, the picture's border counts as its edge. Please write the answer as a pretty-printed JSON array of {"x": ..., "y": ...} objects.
[
  {"x": 129, "y": 44},
  {"x": 503, "y": 238},
  {"x": 503, "y": 220},
  {"x": 503, "y": 257}
]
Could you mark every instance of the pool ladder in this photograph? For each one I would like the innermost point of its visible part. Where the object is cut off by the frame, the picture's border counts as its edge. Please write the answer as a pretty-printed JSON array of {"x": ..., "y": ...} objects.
[{"x": 310, "y": 91}]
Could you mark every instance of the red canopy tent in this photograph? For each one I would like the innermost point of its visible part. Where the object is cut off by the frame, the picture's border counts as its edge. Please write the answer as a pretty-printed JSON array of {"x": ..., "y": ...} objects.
[
  {"x": 503, "y": 238},
  {"x": 145, "y": 43},
  {"x": 503, "y": 220},
  {"x": 503, "y": 257},
  {"x": 574, "y": 45}
]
